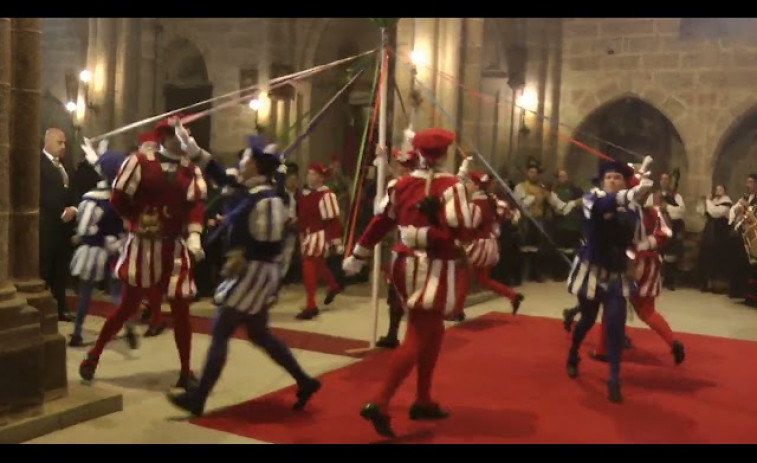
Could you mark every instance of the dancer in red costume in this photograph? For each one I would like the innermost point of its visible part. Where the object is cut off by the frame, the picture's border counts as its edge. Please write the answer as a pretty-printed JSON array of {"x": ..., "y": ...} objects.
[
  {"x": 432, "y": 212},
  {"x": 488, "y": 212},
  {"x": 318, "y": 217},
  {"x": 161, "y": 195},
  {"x": 406, "y": 163},
  {"x": 651, "y": 234}
]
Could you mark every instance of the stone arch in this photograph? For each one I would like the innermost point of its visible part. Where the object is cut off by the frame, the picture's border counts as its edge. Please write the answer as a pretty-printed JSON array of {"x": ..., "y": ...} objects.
[
  {"x": 185, "y": 82},
  {"x": 735, "y": 154},
  {"x": 54, "y": 114},
  {"x": 184, "y": 63},
  {"x": 338, "y": 134},
  {"x": 621, "y": 126}
]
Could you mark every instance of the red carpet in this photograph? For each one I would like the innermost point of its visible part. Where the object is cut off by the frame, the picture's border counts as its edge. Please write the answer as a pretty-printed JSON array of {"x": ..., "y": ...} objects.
[
  {"x": 504, "y": 381},
  {"x": 295, "y": 339}
]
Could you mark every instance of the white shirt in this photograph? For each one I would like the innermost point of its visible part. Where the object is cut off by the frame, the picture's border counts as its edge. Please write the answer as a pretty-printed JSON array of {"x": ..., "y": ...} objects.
[{"x": 56, "y": 162}]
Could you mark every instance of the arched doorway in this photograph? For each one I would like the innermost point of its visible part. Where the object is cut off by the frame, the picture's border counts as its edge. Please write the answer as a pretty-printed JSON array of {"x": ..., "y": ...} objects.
[
  {"x": 186, "y": 83},
  {"x": 622, "y": 125},
  {"x": 737, "y": 155},
  {"x": 340, "y": 132},
  {"x": 54, "y": 114}
]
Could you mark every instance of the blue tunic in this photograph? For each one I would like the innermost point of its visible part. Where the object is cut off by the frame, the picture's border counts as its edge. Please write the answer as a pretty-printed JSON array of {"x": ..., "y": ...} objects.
[
  {"x": 256, "y": 227},
  {"x": 600, "y": 264},
  {"x": 99, "y": 230}
]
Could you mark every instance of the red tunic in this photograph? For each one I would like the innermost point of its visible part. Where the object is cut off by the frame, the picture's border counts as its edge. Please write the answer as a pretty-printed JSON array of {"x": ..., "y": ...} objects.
[
  {"x": 319, "y": 222},
  {"x": 172, "y": 191}
]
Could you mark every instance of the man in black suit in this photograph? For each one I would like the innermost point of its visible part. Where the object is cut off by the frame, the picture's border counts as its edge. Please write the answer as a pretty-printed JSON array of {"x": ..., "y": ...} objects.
[{"x": 56, "y": 219}]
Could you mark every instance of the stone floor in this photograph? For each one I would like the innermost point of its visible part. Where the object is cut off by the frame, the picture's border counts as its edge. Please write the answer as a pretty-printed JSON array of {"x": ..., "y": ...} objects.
[{"x": 144, "y": 377}]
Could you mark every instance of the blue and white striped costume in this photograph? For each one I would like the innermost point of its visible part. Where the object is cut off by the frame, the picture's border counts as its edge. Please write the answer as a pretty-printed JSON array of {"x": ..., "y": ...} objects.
[
  {"x": 100, "y": 231},
  {"x": 599, "y": 277},
  {"x": 600, "y": 264},
  {"x": 256, "y": 227}
]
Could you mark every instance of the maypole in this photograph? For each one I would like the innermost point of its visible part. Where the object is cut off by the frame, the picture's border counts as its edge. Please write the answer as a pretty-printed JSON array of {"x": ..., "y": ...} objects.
[{"x": 381, "y": 164}]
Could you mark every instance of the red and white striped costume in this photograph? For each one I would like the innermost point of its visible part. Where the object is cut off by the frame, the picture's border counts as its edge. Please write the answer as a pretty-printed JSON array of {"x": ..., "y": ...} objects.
[
  {"x": 484, "y": 250},
  {"x": 319, "y": 220},
  {"x": 651, "y": 234},
  {"x": 425, "y": 266},
  {"x": 173, "y": 190}
]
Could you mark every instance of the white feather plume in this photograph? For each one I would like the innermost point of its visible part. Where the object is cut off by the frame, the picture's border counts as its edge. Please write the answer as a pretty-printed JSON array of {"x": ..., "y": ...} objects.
[
  {"x": 407, "y": 143},
  {"x": 89, "y": 152}
]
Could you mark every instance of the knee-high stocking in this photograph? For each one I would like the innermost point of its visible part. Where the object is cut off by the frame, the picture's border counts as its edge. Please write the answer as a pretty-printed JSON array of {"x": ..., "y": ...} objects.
[
  {"x": 645, "y": 309},
  {"x": 261, "y": 336},
  {"x": 130, "y": 300},
  {"x": 486, "y": 282},
  {"x": 431, "y": 328},
  {"x": 182, "y": 332},
  {"x": 614, "y": 322},
  {"x": 589, "y": 310}
]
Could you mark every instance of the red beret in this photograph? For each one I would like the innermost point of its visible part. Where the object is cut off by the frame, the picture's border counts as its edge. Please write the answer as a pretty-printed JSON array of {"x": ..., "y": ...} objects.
[
  {"x": 406, "y": 158},
  {"x": 433, "y": 143},
  {"x": 480, "y": 178},
  {"x": 145, "y": 137},
  {"x": 319, "y": 168}
]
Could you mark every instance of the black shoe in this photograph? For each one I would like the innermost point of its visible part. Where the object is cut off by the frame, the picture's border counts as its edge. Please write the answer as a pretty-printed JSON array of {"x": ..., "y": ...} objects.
[
  {"x": 515, "y": 303},
  {"x": 568, "y": 316},
  {"x": 87, "y": 368},
  {"x": 381, "y": 422},
  {"x": 627, "y": 344},
  {"x": 131, "y": 338},
  {"x": 189, "y": 401},
  {"x": 460, "y": 317},
  {"x": 388, "y": 342},
  {"x": 598, "y": 357},
  {"x": 187, "y": 381},
  {"x": 154, "y": 330},
  {"x": 305, "y": 392},
  {"x": 572, "y": 367},
  {"x": 678, "y": 353},
  {"x": 308, "y": 314},
  {"x": 75, "y": 341},
  {"x": 65, "y": 317},
  {"x": 427, "y": 412},
  {"x": 145, "y": 317},
  {"x": 331, "y": 295},
  {"x": 613, "y": 392}
]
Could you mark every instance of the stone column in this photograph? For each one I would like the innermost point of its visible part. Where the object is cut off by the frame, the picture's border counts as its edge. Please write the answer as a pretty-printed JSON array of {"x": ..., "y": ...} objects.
[
  {"x": 126, "y": 81},
  {"x": 21, "y": 349},
  {"x": 25, "y": 156}
]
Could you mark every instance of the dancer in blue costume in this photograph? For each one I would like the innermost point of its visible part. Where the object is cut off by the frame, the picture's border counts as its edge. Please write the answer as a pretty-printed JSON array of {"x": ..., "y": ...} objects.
[
  {"x": 599, "y": 274},
  {"x": 256, "y": 228}
]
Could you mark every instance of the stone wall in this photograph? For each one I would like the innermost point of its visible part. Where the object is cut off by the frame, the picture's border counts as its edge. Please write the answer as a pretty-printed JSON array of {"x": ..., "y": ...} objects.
[
  {"x": 704, "y": 86},
  {"x": 64, "y": 50}
]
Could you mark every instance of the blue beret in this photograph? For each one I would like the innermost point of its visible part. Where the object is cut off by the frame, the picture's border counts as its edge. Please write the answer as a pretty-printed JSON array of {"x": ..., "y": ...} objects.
[{"x": 109, "y": 163}]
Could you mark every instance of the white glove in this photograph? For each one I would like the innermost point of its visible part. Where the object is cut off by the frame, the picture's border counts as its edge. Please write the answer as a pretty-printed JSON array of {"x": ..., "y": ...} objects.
[
  {"x": 102, "y": 147},
  {"x": 89, "y": 152},
  {"x": 569, "y": 207},
  {"x": 195, "y": 246},
  {"x": 352, "y": 265},
  {"x": 282, "y": 169},
  {"x": 112, "y": 245},
  {"x": 462, "y": 173},
  {"x": 515, "y": 217}
]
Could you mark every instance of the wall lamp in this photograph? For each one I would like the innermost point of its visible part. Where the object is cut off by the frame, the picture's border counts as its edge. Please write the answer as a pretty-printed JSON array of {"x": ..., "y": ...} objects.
[{"x": 77, "y": 93}]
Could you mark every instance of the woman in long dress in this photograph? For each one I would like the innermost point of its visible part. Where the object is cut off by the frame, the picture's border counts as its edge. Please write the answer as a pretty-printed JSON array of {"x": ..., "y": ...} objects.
[{"x": 712, "y": 266}]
